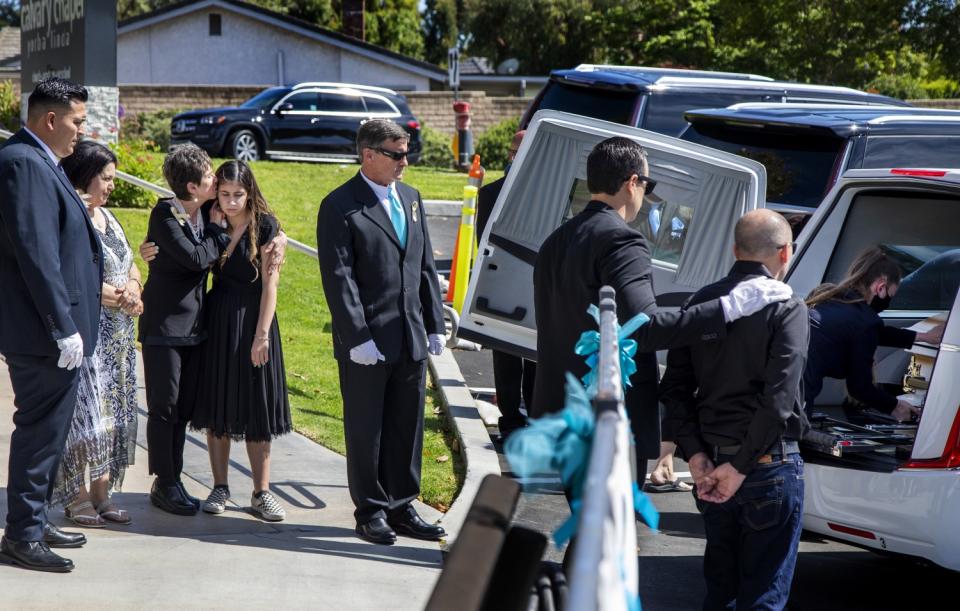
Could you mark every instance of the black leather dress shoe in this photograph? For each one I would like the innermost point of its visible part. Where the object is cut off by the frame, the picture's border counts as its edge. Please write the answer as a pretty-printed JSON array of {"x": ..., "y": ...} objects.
[
  {"x": 33, "y": 555},
  {"x": 377, "y": 531},
  {"x": 54, "y": 537},
  {"x": 171, "y": 500},
  {"x": 193, "y": 500},
  {"x": 412, "y": 525}
]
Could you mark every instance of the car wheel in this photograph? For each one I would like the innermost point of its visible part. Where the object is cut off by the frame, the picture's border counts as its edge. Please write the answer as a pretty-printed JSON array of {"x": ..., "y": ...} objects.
[{"x": 244, "y": 146}]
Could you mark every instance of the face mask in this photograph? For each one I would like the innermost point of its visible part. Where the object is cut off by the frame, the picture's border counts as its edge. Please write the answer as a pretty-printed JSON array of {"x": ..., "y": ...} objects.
[{"x": 879, "y": 304}]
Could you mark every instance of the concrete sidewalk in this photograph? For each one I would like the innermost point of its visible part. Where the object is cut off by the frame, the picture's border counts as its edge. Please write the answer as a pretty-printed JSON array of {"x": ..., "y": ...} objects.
[{"x": 312, "y": 560}]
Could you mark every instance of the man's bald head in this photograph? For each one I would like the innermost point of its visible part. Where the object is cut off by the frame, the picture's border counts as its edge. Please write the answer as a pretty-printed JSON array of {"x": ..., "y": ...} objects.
[{"x": 759, "y": 234}]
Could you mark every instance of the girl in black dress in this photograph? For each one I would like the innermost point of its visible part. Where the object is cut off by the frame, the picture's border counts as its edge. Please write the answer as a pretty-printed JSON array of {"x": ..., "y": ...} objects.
[{"x": 243, "y": 389}]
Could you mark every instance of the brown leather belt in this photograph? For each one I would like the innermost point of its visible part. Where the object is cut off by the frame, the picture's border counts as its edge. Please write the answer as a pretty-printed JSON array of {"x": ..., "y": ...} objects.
[{"x": 776, "y": 453}]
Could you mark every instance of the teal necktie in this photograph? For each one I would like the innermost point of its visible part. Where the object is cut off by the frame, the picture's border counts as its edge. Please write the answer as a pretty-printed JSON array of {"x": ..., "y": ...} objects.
[{"x": 398, "y": 217}]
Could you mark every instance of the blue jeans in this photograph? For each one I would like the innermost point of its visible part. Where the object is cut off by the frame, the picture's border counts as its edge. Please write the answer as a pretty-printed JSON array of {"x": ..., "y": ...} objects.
[{"x": 752, "y": 539}]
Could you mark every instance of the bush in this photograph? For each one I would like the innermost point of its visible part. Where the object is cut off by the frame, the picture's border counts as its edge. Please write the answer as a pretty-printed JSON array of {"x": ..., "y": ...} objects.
[
  {"x": 494, "y": 144},
  {"x": 133, "y": 158},
  {"x": 436, "y": 149},
  {"x": 153, "y": 127},
  {"x": 941, "y": 88},
  {"x": 9, "y": 107}
]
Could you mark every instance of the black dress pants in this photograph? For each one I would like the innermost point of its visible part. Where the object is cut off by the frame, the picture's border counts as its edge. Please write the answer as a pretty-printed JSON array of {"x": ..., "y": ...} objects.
[
  {"x": 44, "y": 397},
  {"x": 513, "y": 377},
  {"x": 383, "y": 427},
  {"x": 170, "y": 375}
]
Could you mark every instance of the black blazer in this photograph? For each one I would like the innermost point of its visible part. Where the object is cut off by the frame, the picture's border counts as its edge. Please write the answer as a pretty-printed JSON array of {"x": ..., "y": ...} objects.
[
  {"x": 375, "y": 289},
  {"x": 173, "y": 294},
  {"x": 593, "y": 249},
  {"x": 51, "y": 264},
  {"x": 486, "y": 199}
]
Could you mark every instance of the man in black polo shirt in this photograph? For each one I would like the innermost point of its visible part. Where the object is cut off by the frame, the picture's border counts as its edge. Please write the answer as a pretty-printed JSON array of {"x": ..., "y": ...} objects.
[{"x": 736, "y": 404}]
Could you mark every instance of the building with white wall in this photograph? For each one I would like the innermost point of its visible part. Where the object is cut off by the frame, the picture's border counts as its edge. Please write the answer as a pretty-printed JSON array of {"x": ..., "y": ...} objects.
[{"x": 229, "y": 42}]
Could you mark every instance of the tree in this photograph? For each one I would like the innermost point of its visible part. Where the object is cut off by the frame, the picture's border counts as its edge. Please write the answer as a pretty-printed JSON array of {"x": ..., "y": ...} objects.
[
  {"x": 441, "y": 28},
  {"x": 395, "y": 25},
  {"x": 9, "y": 13}
]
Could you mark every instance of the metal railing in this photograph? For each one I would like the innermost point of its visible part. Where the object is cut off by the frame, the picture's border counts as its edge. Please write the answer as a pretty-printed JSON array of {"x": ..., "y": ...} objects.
[{"x": 588, "y": 552}]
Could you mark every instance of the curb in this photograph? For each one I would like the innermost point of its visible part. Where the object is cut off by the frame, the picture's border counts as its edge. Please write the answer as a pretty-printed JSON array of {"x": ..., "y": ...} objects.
[
  {"x": 479, "y": 454},
  {"x": 442, "y": 207}
]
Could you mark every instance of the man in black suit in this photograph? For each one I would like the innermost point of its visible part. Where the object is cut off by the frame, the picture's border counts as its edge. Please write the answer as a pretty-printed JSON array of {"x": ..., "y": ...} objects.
[
  {"x": 513, "y": 376},
  {"x": 381, "y": 284},
  {"x": 50, "y": 270},
  {"x": 596, "y": 248}
]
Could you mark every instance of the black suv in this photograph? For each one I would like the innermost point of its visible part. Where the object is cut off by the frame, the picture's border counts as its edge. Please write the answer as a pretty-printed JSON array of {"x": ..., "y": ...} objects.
[
  {"x": 305, "y": 122},
  {"x": 656, "y": 98}
]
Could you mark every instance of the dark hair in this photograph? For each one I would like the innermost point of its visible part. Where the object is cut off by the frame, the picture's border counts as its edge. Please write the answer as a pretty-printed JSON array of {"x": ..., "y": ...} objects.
[
  {"x": 871, "y": 265},
  {"x": 612, "y": 162},
  {"x": 86, "y": 163},
  {"x": 375, "y": 132},
  {"x": 54, "y": 94},
  {"x": 185, "y": 163},
  {"x": 239, "y": 172}
]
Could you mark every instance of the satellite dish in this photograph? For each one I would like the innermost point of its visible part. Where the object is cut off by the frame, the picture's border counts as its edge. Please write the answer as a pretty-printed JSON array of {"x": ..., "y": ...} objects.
[{"x": 508, "y": 66}]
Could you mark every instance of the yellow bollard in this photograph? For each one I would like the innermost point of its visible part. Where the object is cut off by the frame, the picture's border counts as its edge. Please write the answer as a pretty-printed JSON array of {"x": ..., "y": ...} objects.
[{"x": 465, "y": 246}]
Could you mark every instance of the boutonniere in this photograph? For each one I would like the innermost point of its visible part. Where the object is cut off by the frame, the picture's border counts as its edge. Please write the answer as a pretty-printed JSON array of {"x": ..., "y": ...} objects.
[
  {"x": 182, "y": 217},
  {"x": 414, "y": 212}
]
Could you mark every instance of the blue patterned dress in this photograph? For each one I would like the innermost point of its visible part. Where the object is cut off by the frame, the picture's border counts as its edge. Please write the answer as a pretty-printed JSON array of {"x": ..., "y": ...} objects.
[{"x": 103, "y": 433}]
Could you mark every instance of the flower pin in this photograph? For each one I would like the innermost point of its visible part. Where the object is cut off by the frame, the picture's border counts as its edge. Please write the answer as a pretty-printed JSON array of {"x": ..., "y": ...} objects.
[
  {"x": 182, "y": 217},
  {"x": 414, "y": 212}
]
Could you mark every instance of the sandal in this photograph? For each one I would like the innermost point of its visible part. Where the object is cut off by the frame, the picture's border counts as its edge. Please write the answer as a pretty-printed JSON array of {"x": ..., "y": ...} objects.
[
  {"x": 83, "y": 520},
  {"x": 111, "y": 513},
  {"x": 674, "y": 486}
]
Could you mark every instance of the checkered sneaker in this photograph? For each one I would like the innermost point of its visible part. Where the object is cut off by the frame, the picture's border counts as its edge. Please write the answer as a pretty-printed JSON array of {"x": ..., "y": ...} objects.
[
  {"x": 267, "y": 507},
  {"x": 217, "y": 500}
]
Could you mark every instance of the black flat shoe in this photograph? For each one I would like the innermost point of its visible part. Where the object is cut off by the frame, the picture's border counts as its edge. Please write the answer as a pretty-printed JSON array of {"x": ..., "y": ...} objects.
[
  {"x": 171, "y": 500},
  {"x": 377, "y": 531},
  {"x": 33, "y": 555},
  {"x": 54, "y": 537},
  {"x": 412, "y": 525},
  {"x": 192, "y": 499}
]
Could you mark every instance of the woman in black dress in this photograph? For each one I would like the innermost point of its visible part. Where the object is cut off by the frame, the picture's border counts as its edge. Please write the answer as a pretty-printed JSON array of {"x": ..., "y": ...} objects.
[{"x": 243, "y": 389}]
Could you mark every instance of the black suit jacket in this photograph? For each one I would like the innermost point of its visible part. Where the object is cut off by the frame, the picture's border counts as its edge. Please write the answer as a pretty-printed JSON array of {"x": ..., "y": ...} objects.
[
  {"x": 375, "y": 289},
  {"x": 174, "y": 292},
  {"x": 593, "y": 249},
  {"x": 486, "y": 199},
  {"x": 51, "y": 264}
]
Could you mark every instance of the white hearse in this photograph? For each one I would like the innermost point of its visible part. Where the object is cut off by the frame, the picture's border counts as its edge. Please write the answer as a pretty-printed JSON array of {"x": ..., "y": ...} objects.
[{"x": 888, "y": 488}]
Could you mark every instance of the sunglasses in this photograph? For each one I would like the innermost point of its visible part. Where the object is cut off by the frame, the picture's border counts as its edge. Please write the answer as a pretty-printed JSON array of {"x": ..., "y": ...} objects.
[
  {"x": 395, "y": 155},
  {"x": 647, "y": 188},
  {"x": 792, "y": 245}
]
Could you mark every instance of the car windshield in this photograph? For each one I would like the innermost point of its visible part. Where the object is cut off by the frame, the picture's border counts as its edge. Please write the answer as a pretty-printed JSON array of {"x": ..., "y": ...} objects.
[
  {"x": 614, "y": 106},
  {"x": 799, "y": 166},
  {"x": 265, "y": 98}
]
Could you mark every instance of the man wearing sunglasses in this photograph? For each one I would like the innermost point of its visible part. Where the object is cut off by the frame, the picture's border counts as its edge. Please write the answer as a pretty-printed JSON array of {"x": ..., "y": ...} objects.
[
  {"x": 381, "y": 284},
  {"x": 598, "y": 247}
]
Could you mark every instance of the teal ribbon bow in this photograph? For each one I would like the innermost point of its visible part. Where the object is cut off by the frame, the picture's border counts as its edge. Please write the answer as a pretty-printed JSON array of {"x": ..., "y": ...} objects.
[{"x": 589, "y": 346}]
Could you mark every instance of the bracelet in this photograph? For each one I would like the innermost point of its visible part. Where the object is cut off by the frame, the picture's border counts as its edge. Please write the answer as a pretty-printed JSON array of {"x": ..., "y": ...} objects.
[
  {"x": 140, "y": 284},
  {"x": 264, "y": 338}
]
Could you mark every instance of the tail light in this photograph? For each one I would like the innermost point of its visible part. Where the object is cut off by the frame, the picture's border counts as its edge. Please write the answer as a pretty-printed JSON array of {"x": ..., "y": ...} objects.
[
  {"x": 951, "y": 453},
  {"x": 413, "y": 124},
  {"x": 927, "y": 173}
]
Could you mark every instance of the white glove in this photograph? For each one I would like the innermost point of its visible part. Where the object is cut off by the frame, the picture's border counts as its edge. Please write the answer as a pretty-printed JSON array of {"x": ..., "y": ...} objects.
[
  {"x": 366, "y": 354},
  {"x": 71, "y": 351},
  {"x": 751, "y": 296},
  {"x": 435, "y": 343}
]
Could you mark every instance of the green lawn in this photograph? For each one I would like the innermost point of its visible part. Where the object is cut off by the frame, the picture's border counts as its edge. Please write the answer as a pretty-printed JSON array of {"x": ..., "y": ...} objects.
[{"x": 294, "y": 191}]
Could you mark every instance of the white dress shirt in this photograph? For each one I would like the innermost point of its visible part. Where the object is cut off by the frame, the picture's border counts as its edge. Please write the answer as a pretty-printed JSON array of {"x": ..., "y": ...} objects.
[
  {"x": 46, "y": 149},
  {"x": 382, "y": 193}
]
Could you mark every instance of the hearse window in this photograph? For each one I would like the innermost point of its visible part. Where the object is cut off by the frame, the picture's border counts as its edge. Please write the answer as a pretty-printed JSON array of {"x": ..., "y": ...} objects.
[
  {"x": 336, "y": 102},
  {"x": 664, "y": 112},
  {"x": 670, "y": 220},
  {"x": 799, "y": 166},
  {"x": 609, "y": 105},
  {"x": 914, "y": 151},
  {"x": 919, "y": 231}
]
